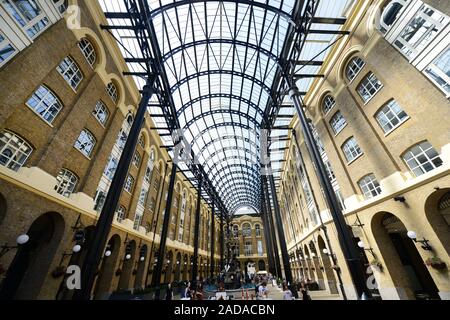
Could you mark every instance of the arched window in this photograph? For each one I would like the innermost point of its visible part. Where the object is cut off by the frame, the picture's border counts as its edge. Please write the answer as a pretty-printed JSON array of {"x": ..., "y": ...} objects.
[
  {"x": 111, "y": 89},
  {"x": 369, "y": 186},
  {"x": 88, "y": 51},
  {"x": 390, "y": 14},
  {"x": 66, "y": 182},
  {"x": 85, "y": 143},
  {"x": 257, "y": 230},
  {"x": 14, "y": 150},
  {"x": 351, "y": 149},
  {"x": 45, "y": 104},
  {"x": 101, "y": 113},
  {"x": 235, "y": 231},
  {"x": 338, "y": 122},
  {"x": 70, "y": 71},
  {"x": 422, "y": 158},
  {"x": 141, "y": 141},
  {"x": 353, "y": 68},
  {"x": 444, "y": 207},
  {"x": 328, "y": 104},
  {"x": 391, "y": 116},
  {"x": 246, "y": 230}
]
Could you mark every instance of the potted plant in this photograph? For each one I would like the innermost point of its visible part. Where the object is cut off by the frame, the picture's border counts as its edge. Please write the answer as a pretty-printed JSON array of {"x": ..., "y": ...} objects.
[
  {"x": 376, "y": 263},
  {"x": 436, "y": 263},
  {"x": 58, "y": 272},
  {"x": 118, "y": 272},
  {"x": 134, "y": 272}
]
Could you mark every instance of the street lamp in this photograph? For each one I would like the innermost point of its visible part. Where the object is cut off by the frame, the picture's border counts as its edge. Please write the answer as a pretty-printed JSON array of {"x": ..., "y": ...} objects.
[
  {"x": 20, "y": 240},
  {"x": 425, "y": 246}
]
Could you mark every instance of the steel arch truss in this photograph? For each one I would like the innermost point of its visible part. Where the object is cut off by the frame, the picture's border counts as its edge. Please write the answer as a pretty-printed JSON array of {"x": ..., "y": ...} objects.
[{"x": 220, "y": 67}]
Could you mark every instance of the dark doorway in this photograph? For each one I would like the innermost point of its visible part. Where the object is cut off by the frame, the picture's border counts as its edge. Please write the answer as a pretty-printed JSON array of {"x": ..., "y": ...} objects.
[{"x": 30, "y": 266}]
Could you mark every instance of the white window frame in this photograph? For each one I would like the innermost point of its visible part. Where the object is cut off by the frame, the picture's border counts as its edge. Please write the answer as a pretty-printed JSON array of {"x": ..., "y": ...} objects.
[
  {"x": 66, "y": 182},
  {"x": 19, "y": 148},
  {"x": 71, "y": 72},
  {"x": 120, "y": 216},
  {"x": 88, "y": 51},
  {"x": 351, "y": 148},
  {"x": 44, "y": 102},
  {"x": 353, "y": 68},
  {"x": 6, "y": 43},
  {"x": 424, "y": 152},
  {"x": 136, "y": 159},
  {"x": 112, "y": 91},
  {"x": 413, "y": 49},
  {"x": 99, "y": 109},
  {"x": 434, "y": 69},
  {"x": 388, "y": 113},
  {"x": 328, "y": 104},
  {"x": 86, "y": 133},
  {"x": 28, "y": 25},
  {"x": 368, "y": 84},
  {"x": 369, "y": 186},
  {"x": 338, "y": 123},
  {"x": 129, "y": 184},
  {"x": 137, "y": 221}
]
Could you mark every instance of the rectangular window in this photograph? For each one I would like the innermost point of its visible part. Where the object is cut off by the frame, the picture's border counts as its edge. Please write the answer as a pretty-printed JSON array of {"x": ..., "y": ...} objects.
[
  {"x": 391, "y": 116},
  {"x": 439, "y": 71},
  {"x": 248, "y": 248},
  {"x": 66, "y": 182},
  {"x": 101, "y": 113},
  {"x": 137, "y": 221},
  {"x": 422, "y": 158},
  {"x": 85, "y": 143},
  {"x": 70, "y": 72},
  {"x": 29, "y": 15},
  {"x": 7, "y": 51},
  {"x": 369, "y": 87},
  {"x": 260, "y": 248},
  {"x": 338, "y": 122},
  {"x": 111, "y": 167},
  {"x": 45, "y": 104},
  {"x": 129, "y": 183},
  {"x": 419, "y": 32},
  {"x": 369, "y": 186},
  {"x": 351, "y": 149},
  {"x": 136, "y": 159}
]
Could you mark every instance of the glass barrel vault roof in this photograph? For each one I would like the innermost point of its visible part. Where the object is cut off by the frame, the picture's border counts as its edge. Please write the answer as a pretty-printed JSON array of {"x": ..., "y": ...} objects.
[{"x": 221, "y": 58}]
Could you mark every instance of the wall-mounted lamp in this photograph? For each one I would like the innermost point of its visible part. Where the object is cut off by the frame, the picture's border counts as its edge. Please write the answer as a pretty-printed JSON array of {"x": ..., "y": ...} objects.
[
  {"x": 128, "y": 257},
  {"x": 142, "y": 259},
  {"x": 400, "y": 199},
  {"x": 21, "y": 240},
  {"x": 425, "y": 246},
  {"x": 362, "y": 246}
]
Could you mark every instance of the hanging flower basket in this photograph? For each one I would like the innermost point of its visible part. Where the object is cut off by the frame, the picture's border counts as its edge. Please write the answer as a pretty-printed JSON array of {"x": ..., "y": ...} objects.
[
  {"x": 376, "y": 263},
  {"x": 59, "y": 272},
  {"x": 134, "y": 272},
  {"x": 436, "y": 263},
  {"x": 118, "y": 272}
]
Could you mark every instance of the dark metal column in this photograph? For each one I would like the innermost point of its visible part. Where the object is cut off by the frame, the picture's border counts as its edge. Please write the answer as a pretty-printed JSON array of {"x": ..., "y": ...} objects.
[
  {"x": 272, "y": 232},
  {"x": 324, "y": 228},
  {"x": 212, "y": 239},
  {"x": 162, "y": 245},
  {"x": 103, "y": 226},
  {"x": 222, "y": 247},
  {"x": 269, "y": 248},
  {"x": 196, "y": 235},
  {"x": 281, "y": 236},
  {"x": 348, "y": 246}
]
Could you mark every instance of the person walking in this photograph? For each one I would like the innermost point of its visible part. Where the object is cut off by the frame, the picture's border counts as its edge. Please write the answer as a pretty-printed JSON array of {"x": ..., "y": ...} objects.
[
  {"x": 169, "y": 292},
  {"x": 287, "y": 293},
  {"x": 304, "y": 290}
]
